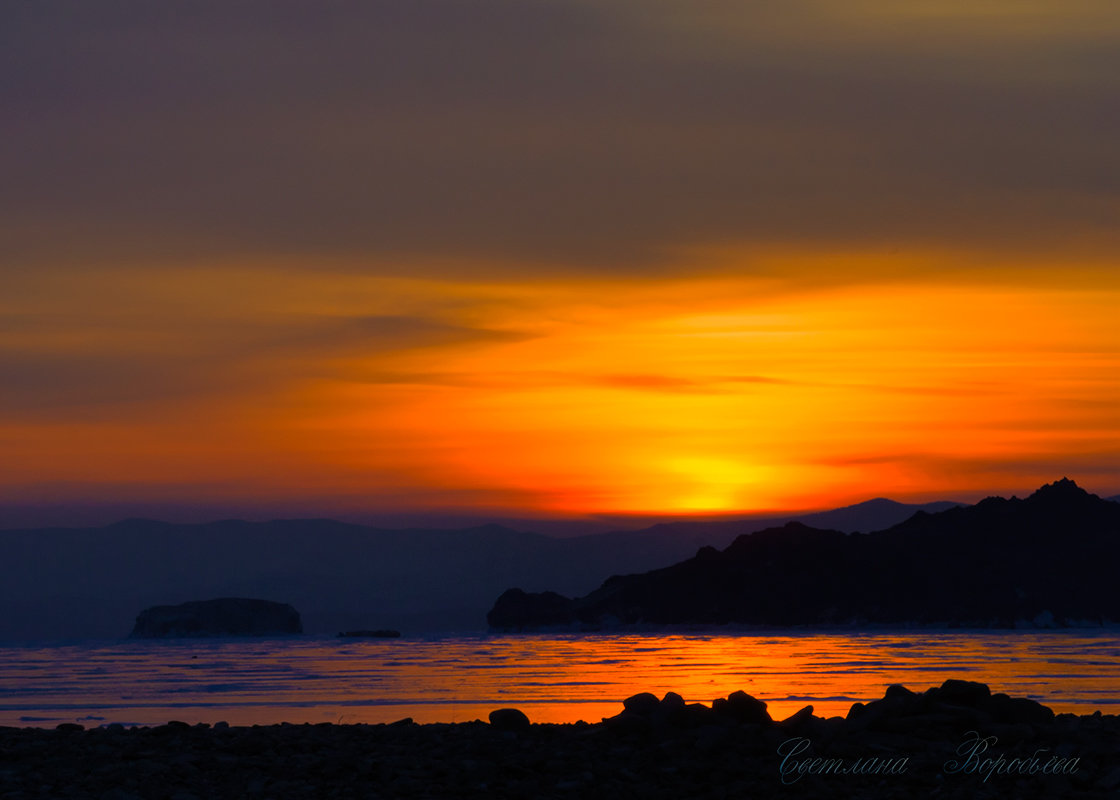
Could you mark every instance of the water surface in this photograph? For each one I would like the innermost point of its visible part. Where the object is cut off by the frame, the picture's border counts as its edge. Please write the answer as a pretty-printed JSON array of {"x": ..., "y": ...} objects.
[{"x": 554, "y": 678}]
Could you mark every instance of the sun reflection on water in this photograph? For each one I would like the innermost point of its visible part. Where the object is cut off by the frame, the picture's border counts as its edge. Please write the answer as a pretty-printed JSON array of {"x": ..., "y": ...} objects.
[{"x": 554, "y": 678}]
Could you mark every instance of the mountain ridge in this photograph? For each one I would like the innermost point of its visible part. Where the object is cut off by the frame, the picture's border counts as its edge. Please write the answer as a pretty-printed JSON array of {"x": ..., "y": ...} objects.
[
  {"x": 1046, "y": 558},
  {"x": 67, "y": 583}
]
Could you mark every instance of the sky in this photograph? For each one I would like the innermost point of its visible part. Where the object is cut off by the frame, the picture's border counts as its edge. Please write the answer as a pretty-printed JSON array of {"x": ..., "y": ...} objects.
[{"x": 534, "y": 258}]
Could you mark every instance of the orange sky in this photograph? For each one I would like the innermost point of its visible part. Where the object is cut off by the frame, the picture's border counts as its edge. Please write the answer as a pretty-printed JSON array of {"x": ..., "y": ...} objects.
[
  {"x": 558, "y": 259},
  {"x": 714, "y": 393}
]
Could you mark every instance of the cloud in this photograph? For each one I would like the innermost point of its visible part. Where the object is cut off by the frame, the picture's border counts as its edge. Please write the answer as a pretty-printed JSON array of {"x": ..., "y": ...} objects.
[
  {"x": 370, "y": 334},
  {"x": 655, "y": 383},
  {"x": 515, "y": 137},
  {"x": 972, "y": 477},
  {"x": 131, "y": 371},
  {"x": 675, "y": 384}
]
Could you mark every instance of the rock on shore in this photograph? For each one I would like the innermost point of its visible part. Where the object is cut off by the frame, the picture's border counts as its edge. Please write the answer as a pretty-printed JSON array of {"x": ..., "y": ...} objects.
[
  {"x": 226, "y": 616},
  {"x": 955, "y": 741}
]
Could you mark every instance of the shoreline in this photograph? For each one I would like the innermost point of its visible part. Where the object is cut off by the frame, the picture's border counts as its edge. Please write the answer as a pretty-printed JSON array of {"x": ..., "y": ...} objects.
[
  {"x": 640, "y": 629},
  {"x": 900, "y": 745}
]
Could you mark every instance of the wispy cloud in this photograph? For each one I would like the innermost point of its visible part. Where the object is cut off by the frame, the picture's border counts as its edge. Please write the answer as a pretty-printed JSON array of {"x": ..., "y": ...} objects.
[{"x": 132, "y": 370}]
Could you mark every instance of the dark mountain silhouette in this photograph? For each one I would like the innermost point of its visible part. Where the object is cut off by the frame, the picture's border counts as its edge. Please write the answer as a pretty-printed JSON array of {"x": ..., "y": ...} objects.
[
  {"x": 869, "y": 515},
  {"x": 62, "y": 583},
  {"x": 1050, "y": 558}
]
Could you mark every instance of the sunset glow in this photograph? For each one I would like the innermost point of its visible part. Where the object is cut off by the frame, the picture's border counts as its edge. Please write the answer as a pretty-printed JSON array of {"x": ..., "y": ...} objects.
[
  {"x": 714, "y": 394},
  {"x": 683, "y": 263}
]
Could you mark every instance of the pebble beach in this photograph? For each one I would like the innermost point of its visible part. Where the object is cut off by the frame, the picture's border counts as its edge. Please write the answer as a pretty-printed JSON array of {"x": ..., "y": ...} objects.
[{"x": 954, "y": 741}]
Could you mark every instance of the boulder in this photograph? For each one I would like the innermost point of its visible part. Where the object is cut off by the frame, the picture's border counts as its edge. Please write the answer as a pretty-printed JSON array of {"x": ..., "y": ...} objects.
[
  {"x": 741, "y": 707},
  {"x": 509, "y": 719},
  {"x": 1018, "y": 710},
  {"x": 226, "y": 616},
  {"x": 644, "y": 704},
  {"x": 672, "y": 703},
  {"x": 798, "y": 719},
  {"x": 961, "y": 693}
]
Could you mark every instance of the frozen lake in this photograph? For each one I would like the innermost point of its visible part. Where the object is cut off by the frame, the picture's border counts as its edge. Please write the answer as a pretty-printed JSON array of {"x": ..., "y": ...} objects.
[{"x": 553, "y": 678}]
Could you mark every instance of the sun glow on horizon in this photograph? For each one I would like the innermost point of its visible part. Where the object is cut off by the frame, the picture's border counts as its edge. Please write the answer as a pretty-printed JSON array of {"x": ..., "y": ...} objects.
[
  {"x": 622, "y": 258},
  {"x": 711, "y": 395}
]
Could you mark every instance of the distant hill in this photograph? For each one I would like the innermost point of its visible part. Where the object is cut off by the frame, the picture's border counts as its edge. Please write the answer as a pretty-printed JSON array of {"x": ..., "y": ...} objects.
[
  {"x": 872, "y": 515},
  {"x": 866, "y": 516},
  {"x": 1049, "y": 558},
  {"x": 82, "y": 583}
]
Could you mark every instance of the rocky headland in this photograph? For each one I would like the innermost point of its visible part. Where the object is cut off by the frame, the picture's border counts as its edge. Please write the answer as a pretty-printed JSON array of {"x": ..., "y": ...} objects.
[
  {"x": 225, "y": 616},
  {"x": 337, "y": 574},
  {"x": 954, "y": 741},
  {"x": 1045, "y": 560}
]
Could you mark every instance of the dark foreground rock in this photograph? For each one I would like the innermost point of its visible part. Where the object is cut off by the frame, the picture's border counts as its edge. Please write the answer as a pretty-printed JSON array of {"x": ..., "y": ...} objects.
[
  {"x": 226, "y": 616},
  {"x": 509, "y": 719},
  {"x": 955, "y": 741}
]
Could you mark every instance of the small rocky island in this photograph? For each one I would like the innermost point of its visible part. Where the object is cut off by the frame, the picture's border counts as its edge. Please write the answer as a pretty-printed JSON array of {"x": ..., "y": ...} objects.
[
  {"x": 380, "y": 633},
  {"x": 225, "y": 616}
]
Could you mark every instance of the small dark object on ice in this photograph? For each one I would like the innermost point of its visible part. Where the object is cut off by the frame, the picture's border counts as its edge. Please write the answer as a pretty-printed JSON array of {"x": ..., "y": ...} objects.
[{"x": 380, "y": 633}]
